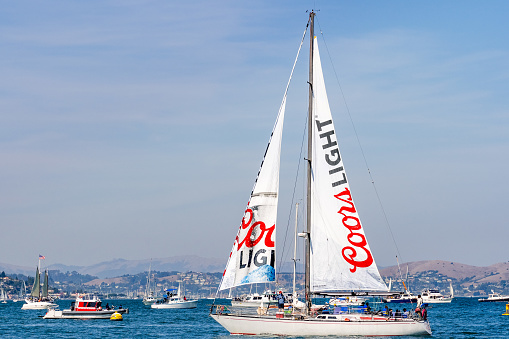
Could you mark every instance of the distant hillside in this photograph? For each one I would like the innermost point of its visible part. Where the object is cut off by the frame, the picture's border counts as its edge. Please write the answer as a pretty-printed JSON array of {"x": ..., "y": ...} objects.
[
  {"x": 14, "y": 269},
  {"x": 458, "y": 271},
  {"x": 119, "y": 267},
  {"x": 467, "y": 280}
]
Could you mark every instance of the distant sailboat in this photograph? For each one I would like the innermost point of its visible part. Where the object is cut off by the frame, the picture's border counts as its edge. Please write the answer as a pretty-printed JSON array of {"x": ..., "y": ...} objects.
[
  {"x": 22, "y": 292},
  {"x": 39, "y": 299},
  {"x": 3, "y": 296},
  {"x": 150, "y": 293},
  {"x": 338, "y": 258}
]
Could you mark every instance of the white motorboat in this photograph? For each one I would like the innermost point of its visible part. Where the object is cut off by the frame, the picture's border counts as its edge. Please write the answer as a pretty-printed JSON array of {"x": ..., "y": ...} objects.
[
  {"x": 267, "y": 299},
  {"x": 493, "y": 297},
  {"x": 39, "y": 300},
  {"x": 433, "y": 296},
  {"x": 338, "y": 260},
  {"x": 403, "y": 298},
  {"x": 84, "y": 307},
  {"x": 174, "y": 301}
]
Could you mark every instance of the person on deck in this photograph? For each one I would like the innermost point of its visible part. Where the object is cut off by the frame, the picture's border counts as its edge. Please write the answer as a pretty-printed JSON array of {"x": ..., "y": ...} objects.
[
  {"x": 419, "y": 301},
  {"x": 424, "y": 313},
  {"x": 281, "y": 300}
]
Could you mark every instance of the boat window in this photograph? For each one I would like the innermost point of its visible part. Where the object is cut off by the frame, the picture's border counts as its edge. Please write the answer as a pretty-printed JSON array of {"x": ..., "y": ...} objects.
[
  {"x": 321, "y": 317},
  {"x": 331, "y": 317}
]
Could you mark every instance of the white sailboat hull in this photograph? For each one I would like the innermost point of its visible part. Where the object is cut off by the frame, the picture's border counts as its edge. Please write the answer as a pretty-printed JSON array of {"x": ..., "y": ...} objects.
[
  {"x": 178, "y": 304},
  {"x": 312, "y": 327},
  {"x": 149, "y": 301},
  {"x": 37, "y": 305}
]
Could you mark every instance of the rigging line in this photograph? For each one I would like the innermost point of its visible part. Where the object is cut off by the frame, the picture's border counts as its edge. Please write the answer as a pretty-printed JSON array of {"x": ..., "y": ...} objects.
[
  {"x": 293, "y": 194},
  {"x": 286, "y": 91},
  {"x": 360, "y": 145},
  {"x": 283, "y": 103}
]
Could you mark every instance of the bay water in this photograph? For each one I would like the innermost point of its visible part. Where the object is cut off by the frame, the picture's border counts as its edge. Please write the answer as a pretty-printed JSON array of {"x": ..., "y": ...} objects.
[{"x": 463, "y": 318}]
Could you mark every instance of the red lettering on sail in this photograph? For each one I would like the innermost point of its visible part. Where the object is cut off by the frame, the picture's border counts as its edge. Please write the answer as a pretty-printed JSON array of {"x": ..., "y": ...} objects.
[
  {"x": 357, "y": 240},
  {"x": 266, "y": 232}
]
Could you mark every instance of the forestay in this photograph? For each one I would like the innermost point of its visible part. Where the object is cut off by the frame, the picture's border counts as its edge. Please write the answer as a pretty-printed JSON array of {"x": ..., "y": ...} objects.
[{"x": 341, "y": 259}]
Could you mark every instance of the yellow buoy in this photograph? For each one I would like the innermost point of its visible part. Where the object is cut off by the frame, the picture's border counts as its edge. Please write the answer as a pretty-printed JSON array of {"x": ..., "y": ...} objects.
[
  {"x": 506, "y": 309},
  {"x": 116, "y": 316}
]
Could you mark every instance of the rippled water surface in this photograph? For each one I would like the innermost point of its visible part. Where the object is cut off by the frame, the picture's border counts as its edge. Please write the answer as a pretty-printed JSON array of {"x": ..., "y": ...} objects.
[{"x": 463, "y": 318}]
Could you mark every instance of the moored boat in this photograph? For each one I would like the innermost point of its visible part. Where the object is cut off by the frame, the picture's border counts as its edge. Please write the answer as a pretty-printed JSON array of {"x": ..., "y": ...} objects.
[
  {"x": 338, "y": 260},
  {"x": 84, "y": 307}
]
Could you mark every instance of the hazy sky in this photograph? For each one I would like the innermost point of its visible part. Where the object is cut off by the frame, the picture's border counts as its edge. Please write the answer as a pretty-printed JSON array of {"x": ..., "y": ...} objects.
[{"x": 135, "y": 129}]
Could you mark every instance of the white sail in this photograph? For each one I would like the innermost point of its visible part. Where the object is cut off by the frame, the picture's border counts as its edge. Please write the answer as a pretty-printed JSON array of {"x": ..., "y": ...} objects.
[
  {"x": 252, "y": 258},
  {"x": 341, "y": 259}
]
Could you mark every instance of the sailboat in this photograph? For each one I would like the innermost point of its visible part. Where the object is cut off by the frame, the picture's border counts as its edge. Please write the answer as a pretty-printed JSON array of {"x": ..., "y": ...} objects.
[
  {"x": 338, "y": 259},
  {"x": 3, "y": 297},
  {"x": 39, "y": 299},
  {"x": 150, "y": 294},
  {"x": 22, "y": 292}
]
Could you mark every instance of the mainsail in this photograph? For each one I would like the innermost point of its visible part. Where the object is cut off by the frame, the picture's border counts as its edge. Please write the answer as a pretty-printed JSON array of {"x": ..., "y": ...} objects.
[
  {"x": 341, "y": 259},
  {"x": 36, "y": 289}
]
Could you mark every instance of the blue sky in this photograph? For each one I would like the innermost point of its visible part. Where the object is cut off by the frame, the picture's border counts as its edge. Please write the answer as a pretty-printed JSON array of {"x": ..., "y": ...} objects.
[{"x": 135, "y": 129}]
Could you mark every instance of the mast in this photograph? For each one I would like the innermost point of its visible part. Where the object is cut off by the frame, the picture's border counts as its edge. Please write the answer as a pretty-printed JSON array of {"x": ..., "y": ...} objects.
[
  {"x": 310, "y": 152},
  {"x": 294, "y": 294}
]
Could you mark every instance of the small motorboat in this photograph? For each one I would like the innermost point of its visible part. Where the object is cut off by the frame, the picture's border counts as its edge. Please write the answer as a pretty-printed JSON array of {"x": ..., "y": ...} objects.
[
  {"x": 267, "y": 299},
  {"x": 433, "y": 296},
  {"x": 174, "y": 301},
  {"x": 405, "y": 298},
  {"x": 493, "y": 296},
  {"x": 85, "y": 307}
]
